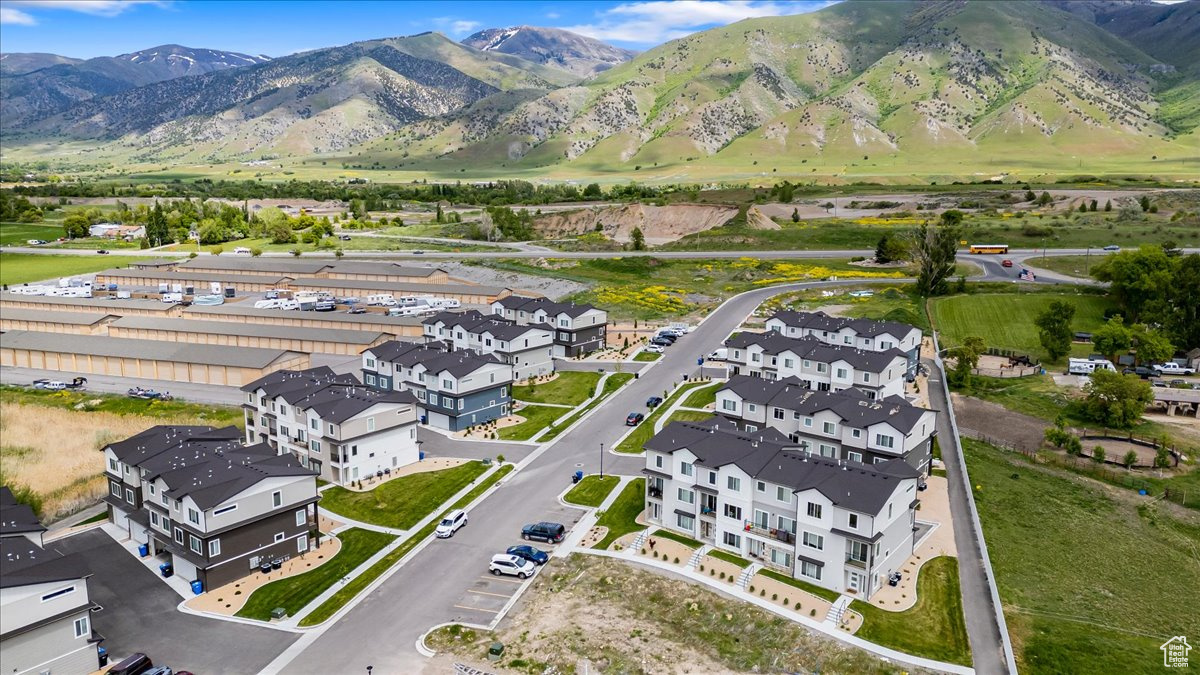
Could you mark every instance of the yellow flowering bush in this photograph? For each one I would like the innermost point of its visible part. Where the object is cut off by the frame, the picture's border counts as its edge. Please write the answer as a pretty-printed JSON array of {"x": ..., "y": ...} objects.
[{"x": 654, "y": 298}]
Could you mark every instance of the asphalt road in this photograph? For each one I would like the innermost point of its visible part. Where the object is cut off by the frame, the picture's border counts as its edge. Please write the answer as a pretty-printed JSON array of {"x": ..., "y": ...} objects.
[
  {"x": 112, "y": 384},
  {"x": 435, "y": 585}
]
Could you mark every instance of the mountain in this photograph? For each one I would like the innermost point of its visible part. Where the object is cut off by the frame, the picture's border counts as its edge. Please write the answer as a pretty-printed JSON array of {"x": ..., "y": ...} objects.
[
  {"x": 554, "y": 47},
  {"x": 1169, "y": 33},
  {"x": 16, "y": 63},
  {"x": 35, "y": 94},
  {"x": 316, "y": 101}
]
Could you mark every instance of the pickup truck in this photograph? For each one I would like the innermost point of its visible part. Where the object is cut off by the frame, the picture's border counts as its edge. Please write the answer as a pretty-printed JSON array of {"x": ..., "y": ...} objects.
[{"x": 1174, "y": 369}]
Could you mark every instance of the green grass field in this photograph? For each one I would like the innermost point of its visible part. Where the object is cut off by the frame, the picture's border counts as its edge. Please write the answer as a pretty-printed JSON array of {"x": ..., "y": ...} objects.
[
  {"x": 933, "y": 628},
  {"x": 613, "y": 383},
  {"x": 675, "y": 536},
  {"x": 537, "y": 417},
  {"x": 293, "y": 593},
  {"x": 621, "y": 516},
  {"x": 19, "y": 234},
  {"x": 568, "y": 388},
  {"x": 1005, "y": 320},
  {"x": 1090, "y": 580},
  {"x": 91, "y": 401},
  {"x": 1072, "y": 265},
  {"x": 591, "y": 491},
  {"x": 645, "y": 431},
  {"x": 402, "y": 502},
  {"x": 729, "y": 558},
  {"x": 646, "y": 356},
  {"x": 703, "y": 396},
  {"x": 22, "y": 268}
]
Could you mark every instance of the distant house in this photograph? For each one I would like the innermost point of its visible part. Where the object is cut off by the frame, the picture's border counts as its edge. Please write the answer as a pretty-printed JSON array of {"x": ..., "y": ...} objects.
[
  {"x": 18, "y": 520},
  {"x": 117, "y": 231},
  {"x": 1193, "y": 358}
]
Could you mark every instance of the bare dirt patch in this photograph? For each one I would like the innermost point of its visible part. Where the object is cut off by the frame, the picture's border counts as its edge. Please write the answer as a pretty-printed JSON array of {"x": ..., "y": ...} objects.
[
  {"x": 659, "y": 224},
  {"x": 488, "y": 276},
  {"x": 994, "y": 421}
]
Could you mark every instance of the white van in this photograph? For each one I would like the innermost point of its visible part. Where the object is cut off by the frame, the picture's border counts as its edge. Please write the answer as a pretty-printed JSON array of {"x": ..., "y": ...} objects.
[
  {"x": 172, "y": 297},
  {"x": 1088, "y": 366},
  {"x": 241, "y": 249},
  {"x": 721, "y": 354},
  {"x": 384, "y": 299},
  {"x": 268, "y": 304},
  {"x": 289, "y": 304}
]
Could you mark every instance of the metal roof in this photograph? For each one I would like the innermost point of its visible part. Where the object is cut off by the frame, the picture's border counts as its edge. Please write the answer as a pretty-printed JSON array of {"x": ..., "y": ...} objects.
[
  {"x": 110, "y": 304},
  {"x": 72, "y": 318},
  {"x": 401, "y": 287},
  {"x": 154, "y": 350},
  {"x": 178, "y": 276},
  {"x": 234, "y": 263},
  {"x": 264, "y": 330},
  {"x": 370, "y": 320},
  {"x": 374, "y": 267}
]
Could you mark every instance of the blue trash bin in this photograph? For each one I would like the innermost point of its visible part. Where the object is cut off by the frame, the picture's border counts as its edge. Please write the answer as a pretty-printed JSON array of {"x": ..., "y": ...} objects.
[
  {"x": 197, "y": 587},
  {"x": 166, "y": 569},
  {"x": 422, "y": 455},
  {"x": 144, "y": 550}
]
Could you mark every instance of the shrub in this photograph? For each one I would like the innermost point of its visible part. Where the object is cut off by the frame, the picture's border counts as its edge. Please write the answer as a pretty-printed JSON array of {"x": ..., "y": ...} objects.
[
  {"x": 1098, "y": 454},
  {"x": 751, "y": 589},
  {"x": 500, "y": 458},
  {"x": 812, "y": 612},
  {"x": 722, "y": 576},
  {"x": 676, "y": 560},
  {"x": 1130, "y": 459},
  {"x": 762, "y": 593},
  {"x": 774, "y": 596},
  {"x": 786, "y": 601}
]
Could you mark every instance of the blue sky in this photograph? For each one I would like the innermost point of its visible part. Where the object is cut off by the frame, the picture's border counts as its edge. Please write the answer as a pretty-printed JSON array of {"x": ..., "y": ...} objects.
[{"x": 88, "y": 28}]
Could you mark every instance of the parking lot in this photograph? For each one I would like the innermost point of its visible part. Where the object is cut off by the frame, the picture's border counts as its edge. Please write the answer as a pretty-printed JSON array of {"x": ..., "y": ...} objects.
[
  {"x": 487, "y": 596},
  {"x": 138, "y": 614}
]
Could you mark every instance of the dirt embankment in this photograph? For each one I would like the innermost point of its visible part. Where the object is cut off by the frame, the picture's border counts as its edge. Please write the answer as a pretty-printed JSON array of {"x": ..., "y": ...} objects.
[{"x": 659, "y": 224}]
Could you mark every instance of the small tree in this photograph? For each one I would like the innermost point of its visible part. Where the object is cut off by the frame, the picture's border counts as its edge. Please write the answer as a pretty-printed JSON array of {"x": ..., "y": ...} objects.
[
  {"x": 933, "y": 249},
  {"x": 1098, "y": 454},
  {"x": 1054, "y": 329},
  {"x": 1116, "y": 400},
  {"x": 255, "y": 252},
  {"x": 1044, "y": 199},
  {"x": 1113, "y": 337},
  {"x": 637, "y": 239},
  {"x": 1162, "y": 457},
  {"x": 1073, "y": 445},
  {"x": 1130, "y": 459},
  {"x": 795, "y": 215},
  {"x": 339, "y": 253},
  {"x": 1108, "y": 205}
]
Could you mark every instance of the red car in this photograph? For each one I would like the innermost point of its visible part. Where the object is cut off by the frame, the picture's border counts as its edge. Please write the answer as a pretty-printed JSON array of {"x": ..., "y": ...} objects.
[
  {"x": 634, "y": 419},
  {"x": 1006, "y": 263}
]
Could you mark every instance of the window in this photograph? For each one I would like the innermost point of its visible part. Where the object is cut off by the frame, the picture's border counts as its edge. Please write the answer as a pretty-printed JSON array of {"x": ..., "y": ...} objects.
[
  {"x": 214, "y": 548},
  {"x": 787, "y": 524},
  {"x": 814, "y": 510},
  {"x": 116, "y": 491},
  {"x": 370, "y": 363},
  {"x": 154, "y": 518},
  {"x": 751, "y": 428},
  {"x": 195, "y": 544},
  {"x": 301, "y": 518},
  {"x": 781, "y": 494},
  {"x": 889, "y": 511},
  {"x": 810, "y": 570},
  {"x": 729, "y": 404},
  {"x": 370, "y": 378},
  {"x": 129, "y": 495},
  {"x": 866, "y": 377},
  {"x": 828, "y": 427},
  {"x": 447, "y": 384},
  {"x": 807, "y": 363},
  {"x": 760, "y": 486},
  {"x": 712, "y": 477},
  {"x": 658, "y": 461},
  {"x": 828, "y": 450},
  {"x": 841, "y": 373},
  {"x": 883, "y": 441},
  {"x": 857, "y": 433},
  {"x": 687, "y": 496},
  {"x": 152, "y": 488},
  {"x": 370, "y": 424},
  {"x": 277, "y": 498},
  {"x": 302, "y": 544},
  {"x": 814, "y": 541},
  {"x": 854, "y": 456},
  {"x": 733, "y": 483},
  {"x": 859, "y": 551},
  {"x": 315, "y": 424},
  {"x": 685, "y": 468},
  {"x": 750, "y": 407},
  {"x": 808, "y": 422},
  {"x": 762, "y": 519},
  {"x": 59, "y": 593},
  {"x": 756, "y": 357},
  {"x": 777, "y": 413},
  {"x": 734, "y": 512},
  {"x": 731, "y": 539},
  {"x": 852, "y": 521},
  {"x": 279, "y": 536},
  {"x": 114, "y": 465},
  {"x": 81, "y": 627},
  {"x": 330, "y": 433},
  {"x": 788, "y": 363},
  {"x": 193, "y": 516},
  {"x": 685, "y": 522},
  {"x": 315, "y": 446}
]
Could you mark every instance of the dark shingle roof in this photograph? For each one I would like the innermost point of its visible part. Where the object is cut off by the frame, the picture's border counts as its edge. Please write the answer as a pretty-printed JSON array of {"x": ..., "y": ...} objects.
[
  {"x": 544, "y": 304},
  {"x": 211, "y": 473},
  {"x": 337, "y": 403},
  {"x": 23, "y": 563},
  {"x": 823, "y": 321},
  {"x": 768, "y": 455},
  {"x": 809, "y": 347},
  {"x": 851, "y": 405},
  {"x": 293, "y": 383},
  {"x": 158, "y": 439},
  {"x": 16, "y": 518},
  {"x": 476, "y": 322}
]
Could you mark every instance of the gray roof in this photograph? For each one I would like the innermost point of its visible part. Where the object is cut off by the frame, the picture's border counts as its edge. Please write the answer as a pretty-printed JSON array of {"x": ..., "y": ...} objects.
[
  {"x": 161, "y": 438},
  {"x": 178, "y": 352},
  {"x": 234, "y": 263},
  {"x": 264, "y": 330},
  {"x": 334, "y": 397},
  {"x": 371, "y": 319},
  {"x": 809, "y": 347},
  {"x": 210, "y": 473},
  {"x": 184, "y": 276},
  {"x": 436, "y": 357},
  {"x": 477, "y": 322},
  {"x": 551, "y": 307},
  {"x": 109, "y": 304},
  {"x": 769, "y": 456},
  {"x": 67, "y": 318},
  {"x": 402, "y": 287},
  {"x": 382, "y": 268},
  {"x": 292, "y": 384},
  {"x": 23, "y": 563},
  {"x": 825, "y": 322},
  {"x": 851, "y": 405},
  {"x": 16, "y": 518}
]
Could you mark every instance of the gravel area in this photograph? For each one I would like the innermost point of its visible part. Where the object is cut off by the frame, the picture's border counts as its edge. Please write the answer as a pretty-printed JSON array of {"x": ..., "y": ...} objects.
[{"x": 547, "y": 286}]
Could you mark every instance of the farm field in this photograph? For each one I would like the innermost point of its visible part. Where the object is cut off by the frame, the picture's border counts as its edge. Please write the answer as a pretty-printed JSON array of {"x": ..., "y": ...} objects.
[
  {"x": 1108, "y": 583},
  {"x": 23, "y": 268},
  {"x": 19, "y": 234},
  {"x": 1005, "y": 320}
]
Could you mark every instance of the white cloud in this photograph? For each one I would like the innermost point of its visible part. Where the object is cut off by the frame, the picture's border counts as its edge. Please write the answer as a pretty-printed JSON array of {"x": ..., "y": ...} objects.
[
  {"x": 94, "y": 7},
  {"x": 657, "y": 21},
  {"x": 15, "y": 17},
  {"x": 455, "y": 26},
  {"x": 552, "y": 15}
]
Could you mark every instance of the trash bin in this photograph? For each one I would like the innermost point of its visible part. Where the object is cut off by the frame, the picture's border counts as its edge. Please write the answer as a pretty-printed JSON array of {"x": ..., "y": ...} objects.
[
  {"x": 265, "y": 568},
  {"x": 424, "y": 419},
  {"x": 577, "y": 477},
  {"x": 197, "y": 587},
  {"x": 144, "y": 550},
  {"x": 699, "y": 360},
  {"x": 421, "y": 455},
  {"x": 276, "y": 564},
  {"x": 495, "y": 651},
  {"x": 102, "y": 655},
  {"x": 166, "y": 569}
]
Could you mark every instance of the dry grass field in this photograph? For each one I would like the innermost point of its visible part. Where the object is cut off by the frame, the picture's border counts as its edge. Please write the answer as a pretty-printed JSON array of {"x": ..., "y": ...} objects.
[{"x": 56, "y": 452}]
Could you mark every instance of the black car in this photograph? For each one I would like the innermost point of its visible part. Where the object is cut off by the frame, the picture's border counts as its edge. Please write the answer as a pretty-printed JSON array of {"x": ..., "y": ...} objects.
[
  {"x": 547, "y": 532},
  {"x": 670, "y": 337},
  {"x": 634, "y": 419},
  {"x": 661, "y": 342},
  {"x": 654, "y": 401},
  {"x": 529, "y": 553},
  {"x": 101, "y": 251},
  {"x": 1140, "y": 371}
]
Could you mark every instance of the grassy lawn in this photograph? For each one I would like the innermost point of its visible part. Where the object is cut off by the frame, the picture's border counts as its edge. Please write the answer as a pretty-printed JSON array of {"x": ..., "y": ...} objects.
[
  {"x": 86, "y": 401},
  {"x": 293, "y": 593},
  {"x": 802, "y": 585},
  {"x": 1005, "y": 320},
  {"x": 356, "y": 585},
  {"x": 613, "y": 383},
  {"x": 933, "y": 628},
  {"x": 646, "y": 356},
  {"x": 537, "y": 417},
  {"x": 730, "y": 558},
  {"x": 402, "y": 502},
  {"x": 569, "y": 388},
  {"x": 890, "y": 302},
  {"x": 98, "y": 518},
  {"x": 19, "y": 234},
  {"x": 1105, "y": 585},
  {"x": 621, "y": 516},
  {"x": 675, "y": 536},
  {"x": 22, "y": 268},
  {"x": 645, "y": 431},
  {"x": 592, "y": 490},
  {"x": 702, "y": 396},
  {"x": 1072, "y": 265}
]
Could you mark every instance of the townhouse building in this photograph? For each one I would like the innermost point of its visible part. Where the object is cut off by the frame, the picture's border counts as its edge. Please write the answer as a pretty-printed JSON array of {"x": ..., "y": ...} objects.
[
  {"x": 45, "y": 610},
  {"x": 817, "y": 364},
  {"x": 528, "y": 348},
  {"x": 867, "y": 334},
  {"x": 842, "y": 425},
  {"x": 212, "y": 507},
  {"x": 841, "y": 525},
  {"x": 455, "y": 388},
  {"x": 17, "y": 519},
  {"x": 578, "y": 329},
  {"x": 331, "y": 423}
]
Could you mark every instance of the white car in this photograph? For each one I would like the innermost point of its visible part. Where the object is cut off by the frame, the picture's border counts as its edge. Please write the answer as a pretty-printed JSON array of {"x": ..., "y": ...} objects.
[
  {"x": 1172, "y": 368},
  {"x": 241, "y": 249},
  {"x": 504, "y": 563},
  {"x": 654, "y": 349},
  {"x": 451, "y": 523}
]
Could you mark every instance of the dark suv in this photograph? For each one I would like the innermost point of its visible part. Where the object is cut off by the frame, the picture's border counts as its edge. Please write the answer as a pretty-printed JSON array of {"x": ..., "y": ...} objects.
[
  {"x": 1140, "y": 371},
  {"x": 547, "y": 532}
]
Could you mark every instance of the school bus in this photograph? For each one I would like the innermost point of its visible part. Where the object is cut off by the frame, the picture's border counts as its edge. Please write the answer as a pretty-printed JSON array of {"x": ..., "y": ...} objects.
[{"x": 989, "y": 248}]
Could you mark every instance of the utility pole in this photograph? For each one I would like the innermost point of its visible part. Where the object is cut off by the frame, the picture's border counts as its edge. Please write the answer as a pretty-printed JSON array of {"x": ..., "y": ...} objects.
[{"x": 602, "y": 460}]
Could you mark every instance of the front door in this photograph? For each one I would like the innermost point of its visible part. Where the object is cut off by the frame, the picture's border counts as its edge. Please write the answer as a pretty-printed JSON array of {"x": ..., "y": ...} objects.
[
  {"x": 855, "y": 582},
  {"x": 706, "y": 530}
]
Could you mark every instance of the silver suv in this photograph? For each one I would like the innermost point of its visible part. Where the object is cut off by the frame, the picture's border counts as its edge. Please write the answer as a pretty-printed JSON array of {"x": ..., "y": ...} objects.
[{"x": 504, "y": 563}]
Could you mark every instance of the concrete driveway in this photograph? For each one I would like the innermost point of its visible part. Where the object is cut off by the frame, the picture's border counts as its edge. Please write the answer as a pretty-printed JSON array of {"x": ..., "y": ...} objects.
[{"x": 138, "y": 615}]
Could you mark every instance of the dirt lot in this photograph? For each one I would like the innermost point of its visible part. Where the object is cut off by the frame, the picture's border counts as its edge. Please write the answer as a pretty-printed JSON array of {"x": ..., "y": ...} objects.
[
  {"x": 56, "y": 452},
  {"x": 994, "y": 421},
  {"x": 586, "y": 614},
  {"x": 548, "y": 286}
]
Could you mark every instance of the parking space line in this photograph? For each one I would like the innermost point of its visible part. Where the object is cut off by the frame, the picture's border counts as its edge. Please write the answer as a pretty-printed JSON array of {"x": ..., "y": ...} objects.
[
  {"x": 496, "y": 595},
  {"x": 479, "y": 609},
  {"x": 511, "y": 581}
]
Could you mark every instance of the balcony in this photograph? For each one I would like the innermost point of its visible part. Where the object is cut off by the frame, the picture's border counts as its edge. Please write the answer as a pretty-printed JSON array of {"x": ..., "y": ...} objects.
[
  {"x": 770, "y": 532},
  {"x": 855, "y": 562},
  {"x": 654, "y": 493},
  {"x": 706, "y": 512}
]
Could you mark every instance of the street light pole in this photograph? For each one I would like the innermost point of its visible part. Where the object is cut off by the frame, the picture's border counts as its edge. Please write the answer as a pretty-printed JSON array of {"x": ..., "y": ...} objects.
[{"x": 602, "y": 460}]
